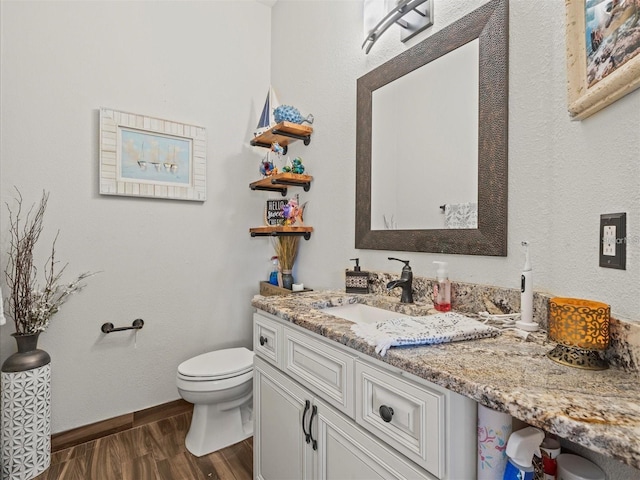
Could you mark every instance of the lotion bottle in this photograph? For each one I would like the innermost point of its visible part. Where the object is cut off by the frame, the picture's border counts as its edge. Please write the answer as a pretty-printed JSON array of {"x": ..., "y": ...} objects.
[{"x": 442, "y": 289}]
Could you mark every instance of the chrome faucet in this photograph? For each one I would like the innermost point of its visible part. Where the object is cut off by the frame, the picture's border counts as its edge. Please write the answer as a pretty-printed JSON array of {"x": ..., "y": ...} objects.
[{"x": 405, "y": 282}]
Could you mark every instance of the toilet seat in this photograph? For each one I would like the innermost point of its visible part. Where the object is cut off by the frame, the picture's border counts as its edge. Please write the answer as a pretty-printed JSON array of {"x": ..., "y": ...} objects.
[{"x": 217, "y": 365}]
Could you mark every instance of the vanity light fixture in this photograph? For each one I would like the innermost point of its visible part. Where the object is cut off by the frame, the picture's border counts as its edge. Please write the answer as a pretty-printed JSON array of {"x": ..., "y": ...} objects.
[
  {"x": 581, "y": 329},
  {"x": 412, "y": 15}
]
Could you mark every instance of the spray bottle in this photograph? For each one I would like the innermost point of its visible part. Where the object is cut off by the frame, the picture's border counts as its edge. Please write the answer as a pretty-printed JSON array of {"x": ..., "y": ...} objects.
[
  {"x": 442, "y": 289},
  {"x": 526, "y": 295},
  {"x": 521, "y": 447}
]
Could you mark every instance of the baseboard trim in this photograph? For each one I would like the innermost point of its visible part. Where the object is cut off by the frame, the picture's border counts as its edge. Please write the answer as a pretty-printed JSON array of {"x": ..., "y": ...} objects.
[{"x": 93, "y": 431}]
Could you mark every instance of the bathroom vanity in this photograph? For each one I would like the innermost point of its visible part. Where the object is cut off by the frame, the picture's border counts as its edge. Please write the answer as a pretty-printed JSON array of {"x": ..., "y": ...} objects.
[
  {"x": 314, "y": 379},
  {"x": 323, "y": 410}
]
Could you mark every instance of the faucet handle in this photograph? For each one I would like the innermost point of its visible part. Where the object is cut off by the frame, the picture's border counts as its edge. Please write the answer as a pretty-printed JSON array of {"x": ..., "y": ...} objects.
[{"x": 406, "y": 262}]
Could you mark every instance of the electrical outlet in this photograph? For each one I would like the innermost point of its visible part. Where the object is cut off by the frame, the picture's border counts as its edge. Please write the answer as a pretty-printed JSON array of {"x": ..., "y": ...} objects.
[{"x": 613, "y": 240}]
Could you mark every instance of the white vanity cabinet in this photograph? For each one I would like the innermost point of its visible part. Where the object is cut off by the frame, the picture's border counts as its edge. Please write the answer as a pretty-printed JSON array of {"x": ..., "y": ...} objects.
[
  {"x": 286, "y": 414},
  {"x": 317, "y": 410}
]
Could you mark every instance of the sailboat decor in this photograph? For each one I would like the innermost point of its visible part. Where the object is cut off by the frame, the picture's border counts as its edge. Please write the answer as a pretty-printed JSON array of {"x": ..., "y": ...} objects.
[
  {"x": 280, "y": 125},
  {"x": 267, "y": 120}
]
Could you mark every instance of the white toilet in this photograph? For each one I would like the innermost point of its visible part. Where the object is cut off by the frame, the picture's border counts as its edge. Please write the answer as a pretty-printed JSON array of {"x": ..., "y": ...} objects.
[{"x": 220, "y": 386}]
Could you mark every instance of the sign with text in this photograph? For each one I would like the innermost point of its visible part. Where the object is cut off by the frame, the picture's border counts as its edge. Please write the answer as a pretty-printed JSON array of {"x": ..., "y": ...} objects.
[{"x": 274, "y": 214}]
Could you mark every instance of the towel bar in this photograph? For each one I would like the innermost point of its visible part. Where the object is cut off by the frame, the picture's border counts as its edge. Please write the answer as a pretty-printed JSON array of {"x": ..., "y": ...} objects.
[{"x": 108, "y": 327}]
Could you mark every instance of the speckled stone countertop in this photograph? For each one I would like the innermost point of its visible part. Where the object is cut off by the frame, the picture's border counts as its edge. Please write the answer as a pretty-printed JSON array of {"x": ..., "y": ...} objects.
[{"x": 597, "y": 409}]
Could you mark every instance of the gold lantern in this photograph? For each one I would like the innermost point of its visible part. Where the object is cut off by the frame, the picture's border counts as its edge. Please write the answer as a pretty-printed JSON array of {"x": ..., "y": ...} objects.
[{"x": 581, "y": 329}]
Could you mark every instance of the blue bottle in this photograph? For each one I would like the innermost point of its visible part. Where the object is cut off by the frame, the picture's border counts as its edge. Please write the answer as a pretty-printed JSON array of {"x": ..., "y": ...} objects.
[{"x": 273, "y": 276}]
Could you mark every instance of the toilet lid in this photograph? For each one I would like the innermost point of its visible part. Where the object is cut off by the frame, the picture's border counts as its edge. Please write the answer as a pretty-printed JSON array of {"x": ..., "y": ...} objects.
[{"x": 226, "y": 363}]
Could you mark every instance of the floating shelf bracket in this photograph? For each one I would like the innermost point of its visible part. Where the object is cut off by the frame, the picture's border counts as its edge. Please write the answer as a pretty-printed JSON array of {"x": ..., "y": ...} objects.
[
  {"x": 257, "y": 143},
  {"x": 306, "y": 186},
  {"x": 282, "y": 190},
  {"x": 280, "y": 182},
  {"x": 306, "y": 235},
  {"x": 306, "y": 139}
]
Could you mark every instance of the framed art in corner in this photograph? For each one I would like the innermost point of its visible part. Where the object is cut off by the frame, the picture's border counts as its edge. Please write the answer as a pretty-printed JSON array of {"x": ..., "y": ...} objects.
[
  {"x": 144, "y": 156},
  {"x": 603, "y": 53}
]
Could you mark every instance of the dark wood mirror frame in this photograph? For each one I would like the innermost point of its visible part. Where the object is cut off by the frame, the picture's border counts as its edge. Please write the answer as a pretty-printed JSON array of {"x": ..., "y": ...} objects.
[{"x": 489, "y": 24}]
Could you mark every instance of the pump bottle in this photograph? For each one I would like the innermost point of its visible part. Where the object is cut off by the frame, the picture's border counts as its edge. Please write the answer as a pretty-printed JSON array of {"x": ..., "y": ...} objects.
[{"x": 442, "y": 289}]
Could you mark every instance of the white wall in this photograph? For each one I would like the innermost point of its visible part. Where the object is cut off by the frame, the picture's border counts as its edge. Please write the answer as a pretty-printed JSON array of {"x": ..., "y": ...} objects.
[
  {"x": 562, "y": 174},
  {"x": 188, "y": 269}
]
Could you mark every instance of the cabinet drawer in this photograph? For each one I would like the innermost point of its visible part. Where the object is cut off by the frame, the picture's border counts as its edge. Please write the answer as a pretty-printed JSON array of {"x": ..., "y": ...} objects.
[
  {"x": 267, "y": 335},
  {"x": 414, "y": 423},
  {"x": 324, "y": 370}
]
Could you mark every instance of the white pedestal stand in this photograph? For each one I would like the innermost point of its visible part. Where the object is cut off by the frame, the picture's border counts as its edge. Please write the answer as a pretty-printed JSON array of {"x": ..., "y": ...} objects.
[{"x": 26, "y": 423}]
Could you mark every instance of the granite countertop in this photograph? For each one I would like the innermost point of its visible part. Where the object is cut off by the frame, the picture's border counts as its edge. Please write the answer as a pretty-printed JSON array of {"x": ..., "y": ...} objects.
[{"x": 597, "y": 409}]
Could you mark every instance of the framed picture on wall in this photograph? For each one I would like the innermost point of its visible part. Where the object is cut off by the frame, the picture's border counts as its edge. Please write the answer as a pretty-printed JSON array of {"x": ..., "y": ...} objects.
[
  {"x": 603, "y": 53},
  {"x": 150, "y": 157}
]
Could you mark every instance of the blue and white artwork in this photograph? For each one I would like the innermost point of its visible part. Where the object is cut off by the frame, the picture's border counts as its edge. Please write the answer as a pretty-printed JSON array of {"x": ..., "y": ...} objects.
[{"x": 155, "y": 158}]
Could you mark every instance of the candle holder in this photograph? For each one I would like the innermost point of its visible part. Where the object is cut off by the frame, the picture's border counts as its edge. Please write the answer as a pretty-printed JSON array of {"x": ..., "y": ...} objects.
[{"x": 581, "y": 329}]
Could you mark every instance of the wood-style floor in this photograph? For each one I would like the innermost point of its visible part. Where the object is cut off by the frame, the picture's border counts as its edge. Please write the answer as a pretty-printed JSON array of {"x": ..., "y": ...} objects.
[{"x": 154, "y": 451}]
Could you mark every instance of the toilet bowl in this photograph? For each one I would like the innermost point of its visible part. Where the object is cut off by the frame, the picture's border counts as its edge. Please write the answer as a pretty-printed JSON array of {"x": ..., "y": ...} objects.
[{"x": 220, "y": 386}]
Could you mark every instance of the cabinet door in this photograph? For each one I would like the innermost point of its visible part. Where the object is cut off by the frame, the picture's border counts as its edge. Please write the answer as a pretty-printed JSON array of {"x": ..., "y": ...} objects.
[
  {"x": 280, "y": 451},
  {"x": 345, "y": 451}
]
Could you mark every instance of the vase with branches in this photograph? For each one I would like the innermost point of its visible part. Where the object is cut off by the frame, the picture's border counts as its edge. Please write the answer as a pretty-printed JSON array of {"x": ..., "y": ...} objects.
[
  {"x": 286, "y": 248},
  {"x": 29, "y": 304}
]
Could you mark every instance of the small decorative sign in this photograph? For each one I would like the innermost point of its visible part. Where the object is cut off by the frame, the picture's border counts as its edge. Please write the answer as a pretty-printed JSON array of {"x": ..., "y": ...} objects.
[{"x": 274, "y": 212}]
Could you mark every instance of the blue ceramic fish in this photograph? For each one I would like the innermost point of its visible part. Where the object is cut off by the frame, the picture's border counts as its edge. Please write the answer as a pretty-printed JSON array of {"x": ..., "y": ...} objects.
[{"x": 287, "y": 113}]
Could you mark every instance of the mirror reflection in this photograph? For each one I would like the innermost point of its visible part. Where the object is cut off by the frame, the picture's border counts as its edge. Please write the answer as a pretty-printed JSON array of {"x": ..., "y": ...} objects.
[{"x": 424, "y": 146}]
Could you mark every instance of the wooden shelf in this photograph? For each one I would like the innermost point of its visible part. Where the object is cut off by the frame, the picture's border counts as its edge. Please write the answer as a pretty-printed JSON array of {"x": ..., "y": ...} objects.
[
  {"x": 281, "y": 181},
  {"x": 284, "y": 133},
  {"x": 281, "y": 231}
]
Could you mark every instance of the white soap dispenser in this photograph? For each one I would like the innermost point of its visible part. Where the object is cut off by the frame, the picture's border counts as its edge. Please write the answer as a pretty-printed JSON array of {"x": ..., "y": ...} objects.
[
  {"x": 442, "y": 289},
  {"x": 526, "y": 295}
]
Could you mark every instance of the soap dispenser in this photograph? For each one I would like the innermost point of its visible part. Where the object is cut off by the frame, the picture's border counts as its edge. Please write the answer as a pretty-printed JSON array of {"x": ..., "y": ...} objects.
[
  {"x": 356, "y": 281},
  {"x": 442, "y": 289}
]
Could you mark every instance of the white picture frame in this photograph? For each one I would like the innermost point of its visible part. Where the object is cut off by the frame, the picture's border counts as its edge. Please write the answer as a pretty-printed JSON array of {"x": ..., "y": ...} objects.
[{"x": 143, "y": 156}]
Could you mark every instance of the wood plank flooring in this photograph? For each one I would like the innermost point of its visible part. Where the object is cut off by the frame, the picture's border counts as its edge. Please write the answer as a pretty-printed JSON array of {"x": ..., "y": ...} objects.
[{"x": 154, "y": 451}]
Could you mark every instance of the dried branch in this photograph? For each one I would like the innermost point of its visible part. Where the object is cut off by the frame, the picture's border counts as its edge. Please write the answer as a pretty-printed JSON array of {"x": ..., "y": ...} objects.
[{"x": 30, "y": 307}]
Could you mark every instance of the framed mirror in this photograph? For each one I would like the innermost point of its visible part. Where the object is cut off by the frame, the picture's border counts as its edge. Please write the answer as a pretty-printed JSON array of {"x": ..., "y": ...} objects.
[{"x": 456, "y": 81}]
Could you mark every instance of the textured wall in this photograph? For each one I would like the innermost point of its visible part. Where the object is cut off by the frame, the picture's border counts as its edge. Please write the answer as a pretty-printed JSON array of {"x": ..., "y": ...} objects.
[
  {"x": 562, "y": 174},
  {"x": 188, "y": 269}
]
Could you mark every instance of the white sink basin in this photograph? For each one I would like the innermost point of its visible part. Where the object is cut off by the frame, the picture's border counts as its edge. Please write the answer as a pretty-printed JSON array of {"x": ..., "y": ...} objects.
[{"x": 359, "y": 313}]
